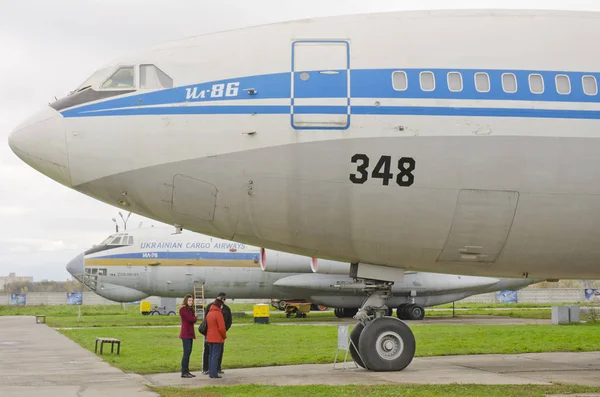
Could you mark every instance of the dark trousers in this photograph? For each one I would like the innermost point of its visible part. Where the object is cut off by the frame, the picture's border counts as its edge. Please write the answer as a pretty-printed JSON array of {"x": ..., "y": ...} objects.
[
  {"x": 206, "y": 355},
  {"x": 187, "y": 351},
  {"x": 215, "y": 352}
]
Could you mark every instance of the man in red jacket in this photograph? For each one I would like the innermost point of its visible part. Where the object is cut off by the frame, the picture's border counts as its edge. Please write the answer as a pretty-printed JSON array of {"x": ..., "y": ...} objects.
[
  {"x": 215, "y": 337},
  {"x": 187, "y": 333}
]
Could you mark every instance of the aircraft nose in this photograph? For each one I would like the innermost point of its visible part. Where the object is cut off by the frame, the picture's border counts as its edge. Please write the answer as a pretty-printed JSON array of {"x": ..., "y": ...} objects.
[
  {"x": 40, "y": 142},
  {"x": 75, "y": 266}
]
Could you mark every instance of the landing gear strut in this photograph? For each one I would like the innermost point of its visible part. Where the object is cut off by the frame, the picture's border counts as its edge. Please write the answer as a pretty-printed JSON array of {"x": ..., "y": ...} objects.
[{"x": 380, "y": 342}]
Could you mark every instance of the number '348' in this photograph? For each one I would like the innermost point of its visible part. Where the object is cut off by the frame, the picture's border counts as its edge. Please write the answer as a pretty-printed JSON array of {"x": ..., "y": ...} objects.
[{"x": 383, "y": 170}]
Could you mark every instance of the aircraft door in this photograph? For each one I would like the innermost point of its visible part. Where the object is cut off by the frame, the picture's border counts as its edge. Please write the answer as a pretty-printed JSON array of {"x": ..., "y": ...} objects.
[{"x": 320, "y": 85}]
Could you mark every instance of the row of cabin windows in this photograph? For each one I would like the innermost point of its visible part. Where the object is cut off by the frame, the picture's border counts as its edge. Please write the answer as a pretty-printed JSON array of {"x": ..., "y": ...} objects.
[{"x": 482, "y": 83}]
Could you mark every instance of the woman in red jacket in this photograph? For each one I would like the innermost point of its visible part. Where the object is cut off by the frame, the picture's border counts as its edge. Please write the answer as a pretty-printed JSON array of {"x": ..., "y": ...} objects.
[
  {"x": 215, "y": 336},
  {"x": 187, "y": 334}
]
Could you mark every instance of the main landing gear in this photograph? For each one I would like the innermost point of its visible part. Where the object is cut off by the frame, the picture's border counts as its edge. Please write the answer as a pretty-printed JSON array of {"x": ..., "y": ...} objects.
[{"x": 380, "y": 342}]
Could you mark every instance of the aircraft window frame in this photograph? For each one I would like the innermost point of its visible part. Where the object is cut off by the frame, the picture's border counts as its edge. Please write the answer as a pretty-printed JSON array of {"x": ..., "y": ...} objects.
[
  {"x": 114, "y": 71},
  {"x": 108, "y": 239},
  {"x": 421, "y": 80},
  {"x": 568, "y": 80},
  {"x": 504, "y": 84},
  {"x": 593, "y": 78},
  {"x": 460, "y": 81},
  {"x": 487, "y": 81},
  {"x": 401, "y": 72},
  {"x": 130, "y": 240},
  {"x": 531, "y": 86},
  {"x": 158, "y": 71},
  {"x": 115, "y": 242}
]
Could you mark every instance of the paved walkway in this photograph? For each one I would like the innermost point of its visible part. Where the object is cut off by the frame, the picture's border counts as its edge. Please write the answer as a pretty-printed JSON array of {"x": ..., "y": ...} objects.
[
  {"x": 535, "y": 368},
  {"x": 36, "y": 360}
]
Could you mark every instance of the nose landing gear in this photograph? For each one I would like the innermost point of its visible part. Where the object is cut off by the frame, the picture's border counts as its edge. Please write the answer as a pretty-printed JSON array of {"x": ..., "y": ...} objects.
[{"x": 380, "y": 342}]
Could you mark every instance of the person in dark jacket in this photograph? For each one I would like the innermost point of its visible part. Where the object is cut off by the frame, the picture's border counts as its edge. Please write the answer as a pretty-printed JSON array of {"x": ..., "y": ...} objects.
[
  {"x": 215, "y": 336},
  {"x": 187, "y": 334},
  {"x": 228, "y": 320}
]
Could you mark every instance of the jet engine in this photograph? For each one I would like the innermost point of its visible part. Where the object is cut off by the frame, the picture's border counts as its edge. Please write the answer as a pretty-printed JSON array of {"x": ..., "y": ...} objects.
[
  {"x": 324, "y": 266},
  {"x": 283, "y": 262}
]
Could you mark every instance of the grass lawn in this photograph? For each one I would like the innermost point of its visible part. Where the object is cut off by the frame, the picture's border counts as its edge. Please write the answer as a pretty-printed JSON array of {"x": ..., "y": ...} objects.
[
  {"x": 377, "y": 391},
  {"x": 152, "y": 350}
]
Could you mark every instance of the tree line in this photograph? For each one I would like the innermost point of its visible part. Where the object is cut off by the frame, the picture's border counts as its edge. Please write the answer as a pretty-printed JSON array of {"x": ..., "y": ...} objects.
[{"x": 42, "y": 286}]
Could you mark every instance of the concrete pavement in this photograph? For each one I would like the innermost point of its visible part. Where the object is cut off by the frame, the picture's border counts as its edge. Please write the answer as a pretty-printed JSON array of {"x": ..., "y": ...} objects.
[
  {"x": 36, "y": 360},
  {"x": 535, "y": 368}
]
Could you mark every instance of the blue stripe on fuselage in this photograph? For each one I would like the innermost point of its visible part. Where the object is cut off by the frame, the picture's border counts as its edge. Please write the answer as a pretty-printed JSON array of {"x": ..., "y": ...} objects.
[
  {"x": 183, "y": 255},
  {"x": 365, "y": 83}
]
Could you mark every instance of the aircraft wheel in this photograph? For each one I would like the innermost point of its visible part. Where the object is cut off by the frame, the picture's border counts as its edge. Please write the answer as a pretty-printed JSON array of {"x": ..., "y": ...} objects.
[
  {"x": 387, "y": 344},
  {"x": 400, "y": 311},
  {"x": 349, "y": 312},
  {"x": 355, "y": 337},
  {"x": 281, "y": 305},
  {"x": 415, "y": 312}
]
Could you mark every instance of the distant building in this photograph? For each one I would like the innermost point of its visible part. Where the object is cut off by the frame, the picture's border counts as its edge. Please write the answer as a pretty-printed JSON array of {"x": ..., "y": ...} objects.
[{"x": 13, "y": 278}]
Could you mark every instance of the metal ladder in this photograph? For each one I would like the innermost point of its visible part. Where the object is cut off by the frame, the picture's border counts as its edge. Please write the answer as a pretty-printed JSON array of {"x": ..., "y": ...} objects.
[{"x": 199, "y": 300}]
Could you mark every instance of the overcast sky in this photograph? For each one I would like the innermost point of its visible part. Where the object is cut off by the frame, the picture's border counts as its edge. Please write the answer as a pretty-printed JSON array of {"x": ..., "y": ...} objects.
[{"x": 49, "y": 47}]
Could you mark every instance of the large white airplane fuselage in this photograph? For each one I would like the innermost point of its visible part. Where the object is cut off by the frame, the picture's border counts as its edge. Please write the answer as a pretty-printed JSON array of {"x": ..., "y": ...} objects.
[
  {"x": 135, "y": 264},
  {"x": 463, "y": 142}
]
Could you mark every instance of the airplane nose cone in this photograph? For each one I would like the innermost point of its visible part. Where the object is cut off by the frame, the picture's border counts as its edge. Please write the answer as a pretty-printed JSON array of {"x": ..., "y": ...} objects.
[
  {"x": 75, "y": 266},
  {"x": 40, "y": 142}
]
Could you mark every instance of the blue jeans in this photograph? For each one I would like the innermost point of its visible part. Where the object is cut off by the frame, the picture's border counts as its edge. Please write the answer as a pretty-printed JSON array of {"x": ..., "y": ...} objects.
[
  {"x": 187, "y": 351},
  {"x": 213, "y": 359}
]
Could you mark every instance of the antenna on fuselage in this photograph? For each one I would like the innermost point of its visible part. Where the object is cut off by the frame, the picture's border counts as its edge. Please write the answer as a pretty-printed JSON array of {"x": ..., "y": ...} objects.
[{"x": 178, "y": 229}]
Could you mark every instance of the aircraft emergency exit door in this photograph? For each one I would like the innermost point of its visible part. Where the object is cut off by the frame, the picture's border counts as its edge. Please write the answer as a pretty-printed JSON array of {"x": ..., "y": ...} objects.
[{"x": 320, "y": 85}]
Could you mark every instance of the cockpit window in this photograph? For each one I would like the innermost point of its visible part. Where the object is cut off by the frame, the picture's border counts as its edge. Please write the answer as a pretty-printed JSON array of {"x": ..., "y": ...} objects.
[
  {"x": 124, "y": 77},
  {"x": 94, "y": 79},
  {"x": 152, "y": 78},
  {"x": 106, "y": 240}
]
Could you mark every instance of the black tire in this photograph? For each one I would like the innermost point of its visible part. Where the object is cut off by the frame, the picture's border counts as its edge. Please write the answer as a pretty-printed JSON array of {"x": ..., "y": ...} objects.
[
  {"x": 171, "y": 313},
  {"x": 338, "y": 312},
  {"x": 406, "y": 311},
  {"x": 416, "y": 312},
  {"x": 349, "y": 313},
  {"x": 400, "y": 311},
  {"x": 281, "y": 305},
  {"x": 355, "y": 337},
  {"x": 387, "y": 336}
]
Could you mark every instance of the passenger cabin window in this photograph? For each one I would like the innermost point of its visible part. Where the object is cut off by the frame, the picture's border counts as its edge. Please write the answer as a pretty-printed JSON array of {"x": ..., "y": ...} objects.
[
  {"x": 427, "y": 81},
  {"x": 455, "y": 83},
  {"x": 509, "y": 83},
  {"x": 482, "y": 82},
  {"x": 399, "y": 81},
  {"x": 124, "y": 77},
  {"x": 590, "y": 85},
  {"x": 563, "y": 84},
  {"x": 152, "y": 78},
  {"x": 536, "y": 83}
]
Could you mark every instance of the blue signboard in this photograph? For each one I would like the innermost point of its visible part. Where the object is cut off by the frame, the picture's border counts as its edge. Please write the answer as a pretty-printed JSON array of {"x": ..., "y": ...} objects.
[
  {"x": 592, "y": 294},
  {"x": 506, "y": 296},
  {"x": 74, "y": 298},
  {"x": 18, "y": 299}
]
